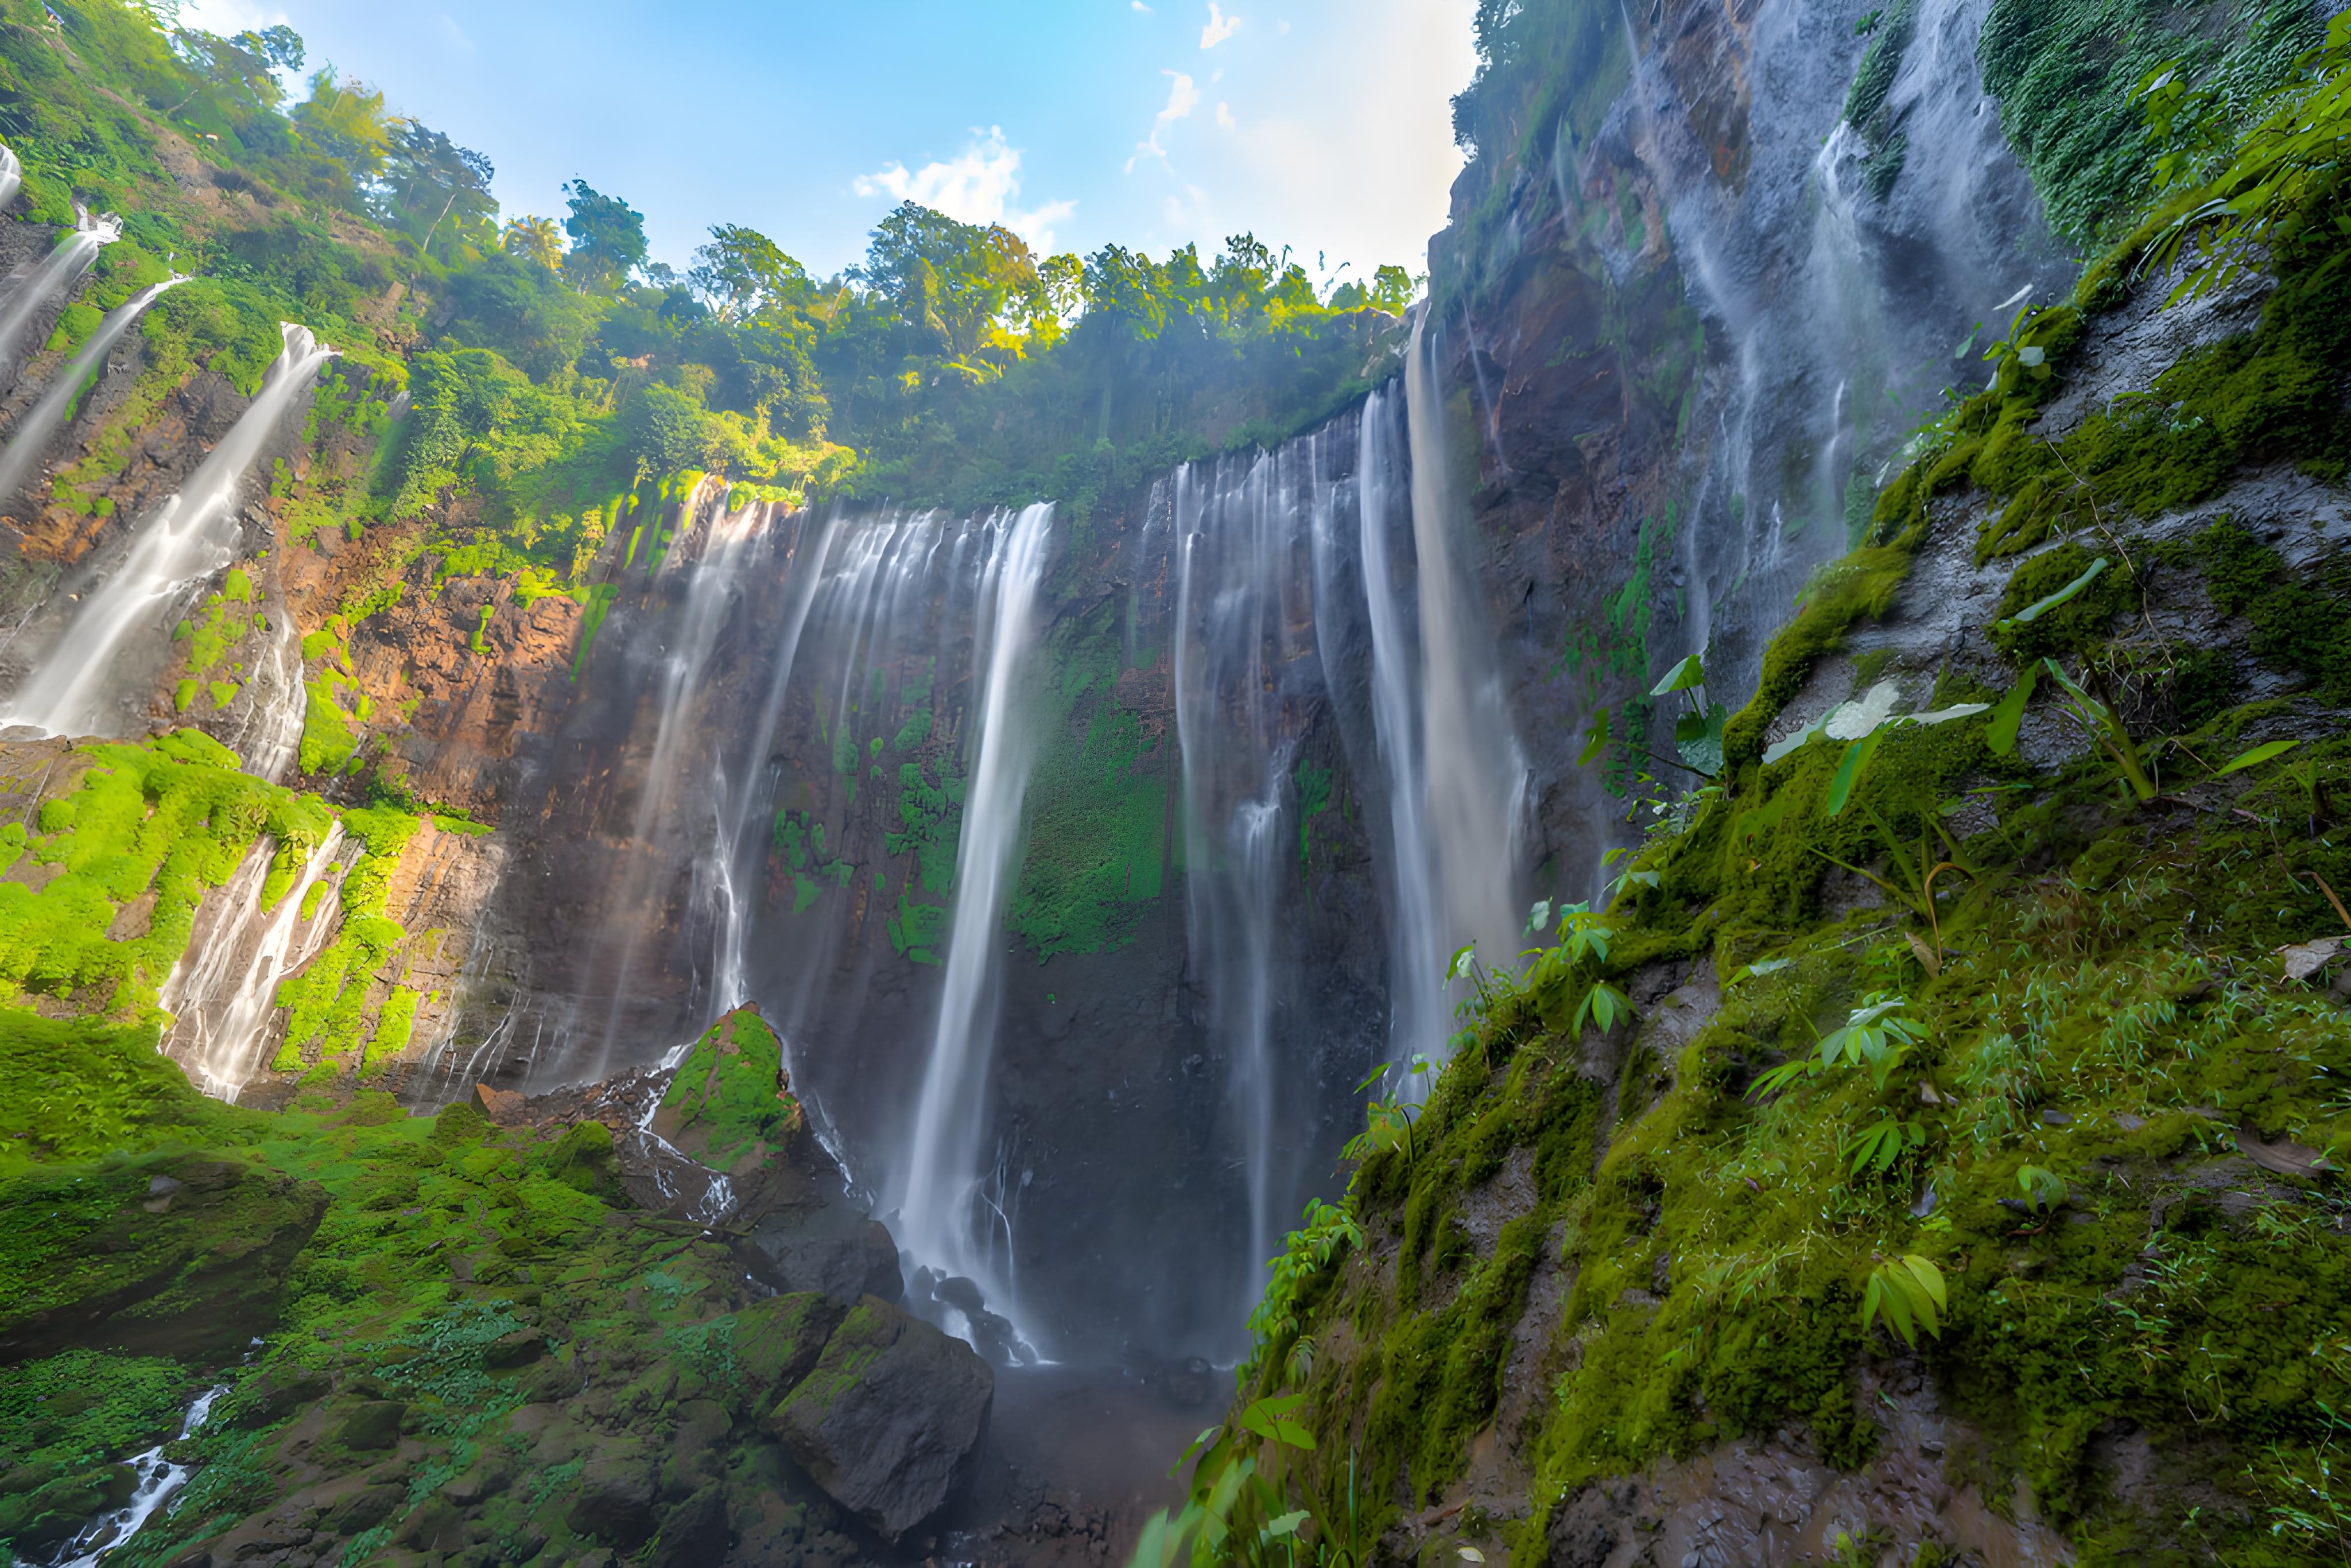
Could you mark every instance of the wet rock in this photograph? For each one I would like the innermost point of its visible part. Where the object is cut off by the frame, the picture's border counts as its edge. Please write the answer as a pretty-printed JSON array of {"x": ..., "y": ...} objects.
[
  {"x": 776, "y": 1341},
  {"x": 505, "y": 1107},
  {"x": 276, "y": 1395},
  {"x": 889, "y": 1418},
  {"x": 616, "y": 1499},
  {"x": 694, "y": 1533},
  {"x": 374, "y": 1425},
  {"x": 520, "y": 1348},
  {"x": 366, "y": 1508},
  {"x": 845, "y": 1261}
]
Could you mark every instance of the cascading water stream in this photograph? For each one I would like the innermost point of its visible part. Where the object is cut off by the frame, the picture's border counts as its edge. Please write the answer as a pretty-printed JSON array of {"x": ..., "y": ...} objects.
[
  {"x": 187, "y": 539},
  {"x": 48, "y": 283},
  {"x": 159, "y": 1480},
  {"x": 1234, "y": 550},
  {"x": 936, "y": 1195},
  {"x": 12, "y": 175},
  {"x": 1415, "y": 948},
  {"x": 270, "y": 737},
  {"x": 1473, "y": 772},
  {"x": 34, "y": 433},
  {"x": 222, "y": 993},
  {"x": 713, "y": 589}
]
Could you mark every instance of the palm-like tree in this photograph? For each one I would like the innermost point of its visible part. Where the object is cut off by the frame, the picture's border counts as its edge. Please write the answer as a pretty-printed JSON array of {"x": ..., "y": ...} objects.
[{"x": 534, "y": 239}]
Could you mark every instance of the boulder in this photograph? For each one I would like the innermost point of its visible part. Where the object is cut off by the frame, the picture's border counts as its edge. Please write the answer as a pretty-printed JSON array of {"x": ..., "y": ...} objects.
[
  {"x": 694, "y": 1534},
  {"x": 183, "y": 1255},
  {"x": 846, "y": 1262},
  {"x": 372, "y": 1425},
  {"x": 889, "y": 1417},
  {"x": 616, "y": 1498},
  {"x": 503, "y": 1107},
  {"x": 776, "y": 1341}
]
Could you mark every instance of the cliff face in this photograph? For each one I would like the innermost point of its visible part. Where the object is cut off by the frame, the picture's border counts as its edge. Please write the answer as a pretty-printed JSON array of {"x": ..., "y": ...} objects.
[{"x": 734, "y": 762}]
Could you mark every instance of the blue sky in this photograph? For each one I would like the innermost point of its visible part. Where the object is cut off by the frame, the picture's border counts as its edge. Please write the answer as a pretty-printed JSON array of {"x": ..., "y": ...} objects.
[{"x": 1318, "y": 124}]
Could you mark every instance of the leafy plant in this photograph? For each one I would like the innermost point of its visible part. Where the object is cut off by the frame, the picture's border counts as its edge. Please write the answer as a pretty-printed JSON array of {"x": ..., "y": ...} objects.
[
  {"x": 1908, "y": 1295},
  {"x": 1878, "y": 1147},
  {"x": 1872, "y": 1036},
  {"x": 2279, "y": 167}
]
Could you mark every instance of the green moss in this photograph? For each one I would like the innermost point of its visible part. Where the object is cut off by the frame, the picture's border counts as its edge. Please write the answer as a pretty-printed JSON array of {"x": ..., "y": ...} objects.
[
  {"x": 2299, "y": 620},
  {"x": 171, "y": 818},
  {"x": 1863, "y": 583},
  {"x": 728, "y": 1098},
  {"x": 2081, "y": 622}
]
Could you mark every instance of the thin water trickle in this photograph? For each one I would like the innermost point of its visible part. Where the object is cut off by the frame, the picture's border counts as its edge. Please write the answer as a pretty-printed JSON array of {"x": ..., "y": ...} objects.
[
  {"x": 1475, "y": 775},
  {"x": 1415, "y": 948},
  {"x": 12, "y": 176},
  {"x": 674, "y": 771},
  {"x": 70, "y": 690},
  {"x": 30, "y": 442},
  {"x": 160, "y": 1480},
  {"x": 48, "y": 283}
]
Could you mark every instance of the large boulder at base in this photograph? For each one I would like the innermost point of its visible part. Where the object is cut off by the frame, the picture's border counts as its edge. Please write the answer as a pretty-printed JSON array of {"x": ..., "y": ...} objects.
[
  {"x": 889, "y": 1418},
  {"x": 182, "y": 1255},
  {"x": 838, "y": 1253}
]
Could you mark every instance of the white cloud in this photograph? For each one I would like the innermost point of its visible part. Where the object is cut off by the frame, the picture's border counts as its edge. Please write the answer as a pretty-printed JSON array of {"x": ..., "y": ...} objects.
[
  {"x": 1225, "y": 117},
  {"x": 455, "y": 35},
  {"x": 977, "y": 186},
  {"x": 1221, "y": 28},
  {"x": 1182, "y": 98},
  {"x": 1281, "y": 28},
  {"x": 1139, "y": 5}
]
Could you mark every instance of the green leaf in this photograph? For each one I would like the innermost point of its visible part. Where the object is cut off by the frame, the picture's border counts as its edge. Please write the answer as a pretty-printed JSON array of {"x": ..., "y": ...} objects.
[
  {"x": 1929, "y": 1278},
  {"x": 1848, "y": 773},
  {"x": 1596, "y": 739},
  {"x": 2259, "y": 754},
  {"x": 2041, "y": 607},
  {"x": 1287, "y": 1524},
  {"x": 1680, "y": 678},
  {"x": 1697, "y": 739}
]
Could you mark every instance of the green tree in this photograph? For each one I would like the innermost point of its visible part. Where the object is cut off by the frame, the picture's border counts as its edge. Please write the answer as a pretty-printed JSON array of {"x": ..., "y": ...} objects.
[
  {"x": 429, "y": 179},
  {"x": 742, "y": 273},
  {"x": 346, "y": 120},
  {"x": 608, "y": 237},
  {"x": 534, "y": 238}
]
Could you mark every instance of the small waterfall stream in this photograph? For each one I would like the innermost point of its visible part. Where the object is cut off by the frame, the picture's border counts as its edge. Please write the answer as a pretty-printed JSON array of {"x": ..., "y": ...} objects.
[
  {"x": 48, "y": 283},
  {"x": 71, "y": 690},
  {"x": 222, "y": 994},
  {"x": 30, "y": 442},
  {"x": 12, "y": 176},
  {"x": 160, "y": 1481},
  {"x": 681, "y": 779}
]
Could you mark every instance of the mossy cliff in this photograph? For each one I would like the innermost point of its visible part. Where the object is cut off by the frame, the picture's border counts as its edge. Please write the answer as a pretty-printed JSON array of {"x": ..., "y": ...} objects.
[
  {"x": 436, "y": 1338},
  {"x": 1931, "y": 1151}
]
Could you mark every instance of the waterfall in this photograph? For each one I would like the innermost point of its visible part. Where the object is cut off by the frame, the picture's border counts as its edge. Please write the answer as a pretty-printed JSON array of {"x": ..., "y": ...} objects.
[
  {"x": 1415, "y": 949},
  {"x": 1836, "y": 271},
  {"x": 269, "y": 737},
  {"x": 937, "y": 1191},
  {"x": 48, "y": 283},
  {"x": 31, "y": 440},
  {"x": 1474, "y": 775},
  {"x": 159, "y": 1480},
  {"x": 12, "y": 176},
  {"x": 222, "y": 993},
  {"x": 714, "y": 587},
  {"x": 1235, "y": 546},
  {"x": 188, "y": 537}
]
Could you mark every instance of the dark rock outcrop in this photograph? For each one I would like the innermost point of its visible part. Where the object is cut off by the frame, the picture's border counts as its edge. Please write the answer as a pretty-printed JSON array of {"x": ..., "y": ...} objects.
[{"x": 889, "y": 1418}]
